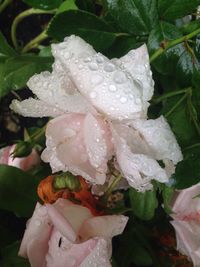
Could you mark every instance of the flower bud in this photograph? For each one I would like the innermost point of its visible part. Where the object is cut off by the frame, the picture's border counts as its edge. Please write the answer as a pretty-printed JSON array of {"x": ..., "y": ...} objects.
[
  {"x": 66, "y": 180},
  {"x": 22, "y": 149}
]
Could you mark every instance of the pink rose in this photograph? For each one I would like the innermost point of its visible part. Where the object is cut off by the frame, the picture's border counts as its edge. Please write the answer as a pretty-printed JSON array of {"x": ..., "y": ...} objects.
[
  {"x": 186, "y": 222},
  {"x": 25, "y": 163},
  {"x": 68, "y": 235}
]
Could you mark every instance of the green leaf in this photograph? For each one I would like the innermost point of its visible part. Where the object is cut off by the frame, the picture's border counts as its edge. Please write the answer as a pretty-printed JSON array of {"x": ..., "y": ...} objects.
[
  {"x": 186, "y": 65},
  {"x": 18, "y": 191},
  {"x": 87, "y": 5},
  {"x": 44, "y": 4},
  {"x": 173, "y": 9},
  {"x": 143, "y": 204},
  {"x": 5, "y": 49},
  {"x": 188, "y": 171},
  {"x": 86, "y": 25},
  {"x": 190, "y": 27},
  {"x": 137, "y": 17},
  {"x": 67, "y": 5},
  {"x": 167, "y": 194},
  {"x": 10, "y": 257},
  {"x": 159, "y": 36},
  {"x": 16, "y": 71}
]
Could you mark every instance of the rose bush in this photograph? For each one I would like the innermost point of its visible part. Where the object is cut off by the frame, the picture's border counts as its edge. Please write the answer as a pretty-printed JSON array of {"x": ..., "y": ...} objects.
[
  {"x": 106, "y": 104},
  {"x": 24, "y": 163},
  {"x": 68, "y": 235},
  {"x": 186, "y": 215}
]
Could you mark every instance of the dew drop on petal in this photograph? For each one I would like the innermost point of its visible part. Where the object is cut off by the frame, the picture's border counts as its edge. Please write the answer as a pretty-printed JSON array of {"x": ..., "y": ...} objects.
[
  {"x": 109, "y": 67},
  {"x": 123, "y": 99},
  {"x": 137, "y": 101},
  {"x": 93, "y": 66},
  {"x": 99, "y": 59},
  {"x": 119, "y": 77},
  {"x": 112, "y": 88},
  {"x": 96, "y": 79}
]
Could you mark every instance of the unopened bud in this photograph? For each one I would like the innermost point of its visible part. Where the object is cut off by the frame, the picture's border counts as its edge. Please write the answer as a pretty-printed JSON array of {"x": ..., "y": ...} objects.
[
  {"x": 66, "y": 180},
  {"x": 22, "y": 149}
]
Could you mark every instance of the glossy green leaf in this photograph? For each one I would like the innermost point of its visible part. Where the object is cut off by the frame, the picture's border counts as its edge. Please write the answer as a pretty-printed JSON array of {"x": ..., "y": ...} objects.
[
  {"x": 5, "y": 49},
  {"x": 143, "y": 204},
  {"x": 159, "y": 36},
  {"x": 86, "y": 25},
  {"x": 173, "y": 9},
  {"x": 16, "y": 71},
  {"x": 137, "y": 17},
  {"x": 18, "y": 191},
  {"x": 67, "y": 5},
  {"x": 188, "y": 171},
  {"x": 44, "y": 4},
  {"x": 10, "y": 257}
]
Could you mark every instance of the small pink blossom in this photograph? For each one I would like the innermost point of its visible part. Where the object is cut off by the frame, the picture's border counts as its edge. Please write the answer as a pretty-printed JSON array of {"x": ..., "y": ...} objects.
[
  {"x": 186, "y": 223},
  {"x": 68, "y": 235},
  {"x": 24, "y": 163}
]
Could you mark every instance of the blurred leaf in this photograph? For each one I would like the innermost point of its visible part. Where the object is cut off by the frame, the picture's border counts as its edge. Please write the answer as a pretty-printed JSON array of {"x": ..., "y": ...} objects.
[
  {"x": 86, "y": 25},
  {"x": 190, "y": 27},
  {"x": 143, "y": 204},
  {"x": 16, "y": 71},
  {"x": 67, "y": 5},
  {"x": 188, "y": 171},
  {"x": 5, "y": 49},
  {"x": 10, "y": 257},
  {"x": 18, "y": 191},
  {"x": 137, "y": 17},
  {"x": 173, "y": 9},
  {"x": 87, "y": 5},
  {"x": 186, "y": 65},
  {"x": 160, "y": 35},
  {"x": 44, "y": 4}
]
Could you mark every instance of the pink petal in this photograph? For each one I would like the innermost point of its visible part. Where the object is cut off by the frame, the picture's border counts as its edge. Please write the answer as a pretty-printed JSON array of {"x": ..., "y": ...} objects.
[
  {"x": 4, "y": 155},
  {"x": 36, "y": 236},
  {"x": 62, "y": 253},
  {"x": 106, "y": 226},
  {"x": 66, "y": 148}
]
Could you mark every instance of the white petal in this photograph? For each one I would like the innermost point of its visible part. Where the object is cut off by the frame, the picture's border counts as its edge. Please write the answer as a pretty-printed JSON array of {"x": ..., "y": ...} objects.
[
  {"x": 94, "y": 141},
  {"x": 160, "y": 138},
  {"x": 109, "y": 88},
  {"x": 138, "y": 169},
  {"x": 35, "y": 108},
  {"x": 99, "y": 256},
  {"x": 136, "y": 62}
]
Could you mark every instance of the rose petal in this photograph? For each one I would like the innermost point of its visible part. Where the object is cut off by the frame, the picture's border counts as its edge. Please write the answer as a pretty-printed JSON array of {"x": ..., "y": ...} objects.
[
  {"x": 36, "y": 236},
  {"x": 103, "y": 226},
  {"x": 138, "y": 169},
  {"x": 66, "y": 148},
  {"x": 110, "y": 89},
  {"x": 35, "y": 108},
  {"x": 160, "y": 138}
]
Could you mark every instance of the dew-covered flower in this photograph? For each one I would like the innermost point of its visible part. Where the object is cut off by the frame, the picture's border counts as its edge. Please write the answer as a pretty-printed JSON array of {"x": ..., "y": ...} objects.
[
  {"x": 24, "y": 163},
  {"x": 104, "y": 105},
  {"x": 186, "y": 215},
  {"x": 68, "y": 235}
]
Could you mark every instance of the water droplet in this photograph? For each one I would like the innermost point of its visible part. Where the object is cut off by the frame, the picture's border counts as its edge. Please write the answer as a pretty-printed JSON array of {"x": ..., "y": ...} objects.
[
  {"x": 42, "y": 211},
  {"x": 93, "y": 95},
  {"x": 87, "y": 59},
  {"x": 96, "y": 79},
  {"x": 112, "y": 88},
  {"x": 99, "y": 59},
  {"x": 137, "y": 101},
  {"x": 38, "y": 222},
  {"x": 109, "y": 67},
  {"x": 119, "y": 77},
  {"x": 66, "y": 55},
  {"x": 93, "y": 66},
  {"x": 80, "y": 66},
  {"x": 123, "y": 99},
  {"x": 68, "y": 132},
  {"x": 117, "y": 96}
]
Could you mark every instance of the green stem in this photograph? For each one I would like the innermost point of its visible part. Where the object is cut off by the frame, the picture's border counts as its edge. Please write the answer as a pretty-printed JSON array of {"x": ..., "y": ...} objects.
[
  {"x": 111, "y": 187},
  {"x": 192, "y": 146},
  {"x": 176, "y": 105},
  {"x": 4, "y": 5},
  {"x": 172, "y": 43},
  {"x": 20, "y": 17},
  {"x": 170, "y": 94},
  {"x": 35, "y": 42}
]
